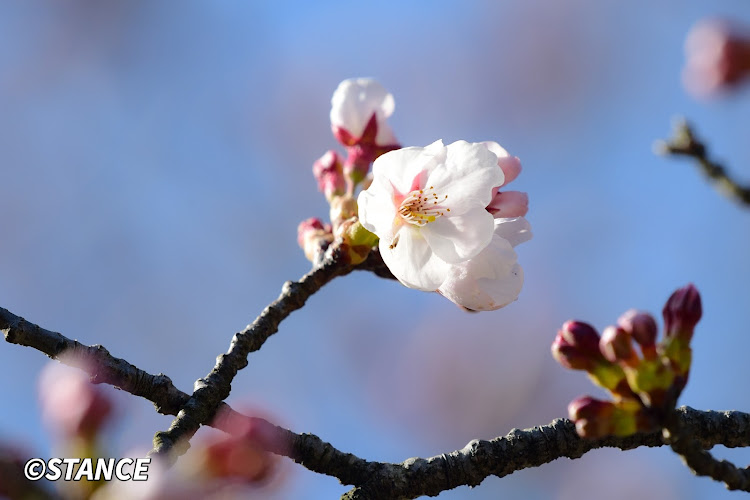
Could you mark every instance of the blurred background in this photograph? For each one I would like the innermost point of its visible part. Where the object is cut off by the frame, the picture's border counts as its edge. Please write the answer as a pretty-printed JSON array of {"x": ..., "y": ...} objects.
[{"x": 155, "y": 161}]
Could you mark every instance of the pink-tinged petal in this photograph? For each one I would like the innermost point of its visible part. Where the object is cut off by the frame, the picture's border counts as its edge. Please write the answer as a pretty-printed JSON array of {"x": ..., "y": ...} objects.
[
  {"x": 509, "y": 204},
  {"x": 510, "y": 165},
  {"x": 467, "y": 177},
  {"x": 515, "y": 231},
  {"x": 489, "y": 281},
  {"x": 406, "y": 168},
  {"x": 458, "y": 238},
  {"x": 411, "y": 260}
]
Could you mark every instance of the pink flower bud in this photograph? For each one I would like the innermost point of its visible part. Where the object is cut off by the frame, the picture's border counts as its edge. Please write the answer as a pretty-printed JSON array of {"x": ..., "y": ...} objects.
[
  {"x": 70, "y": 403},
  {"x": 718, "y": 57},
  {"x": 314, "y": 237},
  {"x": 682, "y": 312},
  {"x": 642, "y": 328},
  {"x": 576, "y": 346},
  {"x": 358, "y": 161},
  {"x": 329, "y": 174},
  {"x": 616, "y": 346}
]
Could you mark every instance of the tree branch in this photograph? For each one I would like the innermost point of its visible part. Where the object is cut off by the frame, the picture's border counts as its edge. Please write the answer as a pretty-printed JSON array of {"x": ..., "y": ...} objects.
[
  {"x": 684, "y": 143},
  {"x": 701, "y": 462},
  {"x": 412, "y": 478}
]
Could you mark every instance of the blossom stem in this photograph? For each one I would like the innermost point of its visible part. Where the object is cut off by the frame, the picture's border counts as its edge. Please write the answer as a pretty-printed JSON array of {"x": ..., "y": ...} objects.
[{"x": 684, "y": 143}]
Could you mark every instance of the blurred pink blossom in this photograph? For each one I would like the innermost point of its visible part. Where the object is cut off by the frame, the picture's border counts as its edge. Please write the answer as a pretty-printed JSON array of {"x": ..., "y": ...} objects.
[{"x": 718, "y": 57}]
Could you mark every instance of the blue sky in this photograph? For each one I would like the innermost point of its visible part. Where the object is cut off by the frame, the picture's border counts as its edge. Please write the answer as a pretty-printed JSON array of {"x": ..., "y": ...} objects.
[{"x": 156, "y": 161}]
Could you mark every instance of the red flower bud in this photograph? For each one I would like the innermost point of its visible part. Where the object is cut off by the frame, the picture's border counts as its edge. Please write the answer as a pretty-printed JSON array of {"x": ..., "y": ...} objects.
[
  {"x": 576, "y": 346},
  {"x": 682, "y": 312},
  {"x": 591, "y": 416}
]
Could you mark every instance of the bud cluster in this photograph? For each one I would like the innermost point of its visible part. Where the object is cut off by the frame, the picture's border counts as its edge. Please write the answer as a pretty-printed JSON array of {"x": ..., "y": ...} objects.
[
  {"x": 359, "y": 109},
  {"x": 645, "y": 377}
]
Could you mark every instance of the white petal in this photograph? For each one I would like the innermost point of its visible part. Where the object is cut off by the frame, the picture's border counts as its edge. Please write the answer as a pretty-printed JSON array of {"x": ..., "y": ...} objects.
[
  {"x": 516, "y": 230},
  {"x": 491, "y": 280},
  {"x": 403, "y": 167},
  {"x": 353, "y": 103},
  {"x": 496, "y": 148},
  {"x": 377, "y": 212},
  {"x": 468, "y": 175},
  {"x": 413, "y": 262},
  {"x": 458, "y": 238}
]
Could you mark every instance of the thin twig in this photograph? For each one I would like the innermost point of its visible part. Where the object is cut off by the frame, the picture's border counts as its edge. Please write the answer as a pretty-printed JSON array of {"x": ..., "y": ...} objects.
[{"x": 684, "y": 143}]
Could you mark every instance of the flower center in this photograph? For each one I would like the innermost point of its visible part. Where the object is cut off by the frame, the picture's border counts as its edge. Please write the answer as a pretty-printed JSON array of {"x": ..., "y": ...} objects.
[{"x": 420, "y": 207}]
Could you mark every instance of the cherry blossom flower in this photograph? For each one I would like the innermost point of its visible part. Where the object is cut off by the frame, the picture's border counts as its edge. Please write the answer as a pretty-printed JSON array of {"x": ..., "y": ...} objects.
[
  {"x": 359, "y": 109},
  {"x": 428, "y": 207}
]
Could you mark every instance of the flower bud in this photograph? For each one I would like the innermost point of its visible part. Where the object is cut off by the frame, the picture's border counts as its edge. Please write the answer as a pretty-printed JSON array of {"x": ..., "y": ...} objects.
[
  {"x": 358, "y": 162},
  {"x": 342, "y": 208},
  {"x": 355, "y": 240},
  {"x": 591, "y": 416},
  {"x": 242, "y": 453},
  {"x": 642, "y": 328},
  {"x": 682, "y": 312},
  {"x": 359, "y": 109},
  {"x": 582, "y": 335},
  {"x": 616, "y": 346},
  {"x": 328, "y": 172},
  {"x": 576, "y": 346},
  {"x": 718, "y": 57},
  {"x": 314, "y": 237},
  {"x": 71, "y": 404}
]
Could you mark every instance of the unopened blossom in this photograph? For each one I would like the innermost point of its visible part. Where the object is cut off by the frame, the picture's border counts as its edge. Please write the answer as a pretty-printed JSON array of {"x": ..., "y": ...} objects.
[
  {"x": 428, "y": 207},
  {"x": 507, "y": 204},
  {"x": 241, "y": 453},
  {"x": 70, "y": 403},
  {"x": 642, "y": 328},
  {"x": 682, "y": 312},
  {"x": 616, "y": 346},
  {"x": 359, "y": 109},
  {"x": 329, "y": 173},
  {"x": 717, "y": 57},
  {"x": 314, "y": 237}
]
